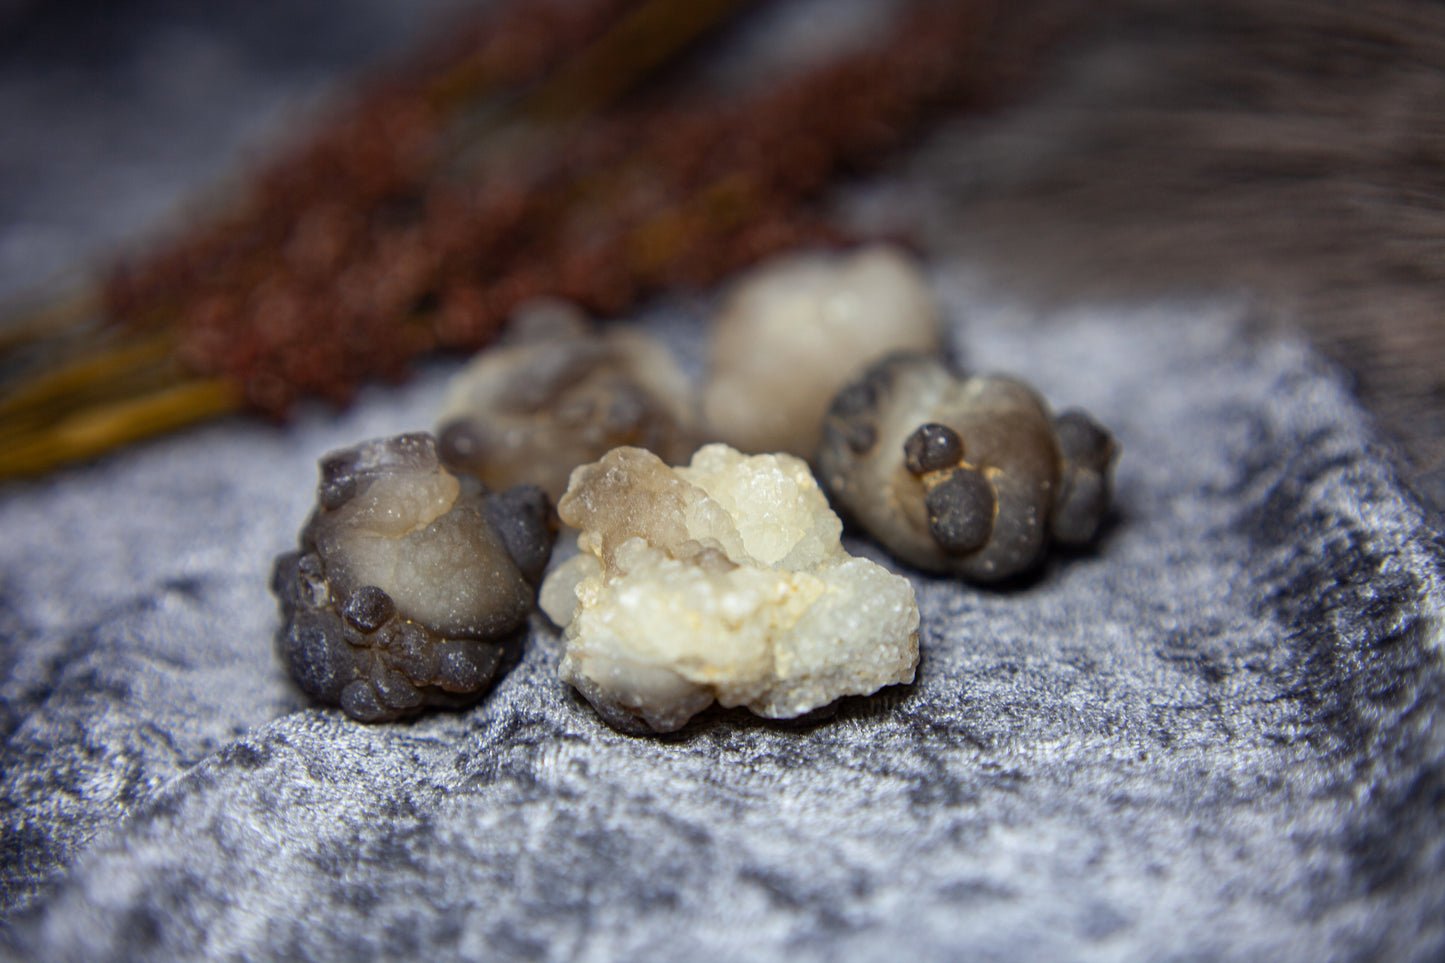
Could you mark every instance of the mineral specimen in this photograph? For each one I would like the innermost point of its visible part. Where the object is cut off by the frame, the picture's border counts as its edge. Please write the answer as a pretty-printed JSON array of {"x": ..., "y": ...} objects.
[
  {"x": 557, "y": 394},
  {"x": 963, "y": 476},
  {"x": 796, "y": 330},
  {"x": 722, "y": 580},
  {"x": 410, "y": 583}
]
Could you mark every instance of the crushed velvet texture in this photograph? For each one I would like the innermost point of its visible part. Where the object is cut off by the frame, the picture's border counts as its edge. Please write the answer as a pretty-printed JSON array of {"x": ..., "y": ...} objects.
[{"x": 1213, "y": 736}]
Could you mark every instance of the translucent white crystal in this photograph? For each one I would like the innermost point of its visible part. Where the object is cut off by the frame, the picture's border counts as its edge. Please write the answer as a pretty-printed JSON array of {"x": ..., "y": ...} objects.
[
  {"x": 797, "y": 329},
  {"x": 721, "y": 580}
]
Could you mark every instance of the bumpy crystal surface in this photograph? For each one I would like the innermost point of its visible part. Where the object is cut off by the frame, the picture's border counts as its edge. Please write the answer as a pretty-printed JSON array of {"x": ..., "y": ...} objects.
[
  {"x": 968, "y": 476},
  {"x": 410, "y": 583},
  {"x": 722, "y": 580}
]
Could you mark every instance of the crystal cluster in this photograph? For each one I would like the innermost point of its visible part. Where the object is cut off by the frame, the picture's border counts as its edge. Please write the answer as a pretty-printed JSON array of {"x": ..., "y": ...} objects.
[
  {"x": 722, "y": 580},
  {"x": 968, "y": 476},
  {"x": 410, "y": 582}
]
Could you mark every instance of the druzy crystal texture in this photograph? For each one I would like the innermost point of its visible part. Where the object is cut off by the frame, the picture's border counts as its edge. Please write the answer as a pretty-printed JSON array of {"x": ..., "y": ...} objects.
[
  {"x": 722, "y": 580},
  {"x": 557, "y": 394},
  {"x": 410, "y": 583},
  {"x": 968, "y": 476},
  {"x": 795, "y": 330}
]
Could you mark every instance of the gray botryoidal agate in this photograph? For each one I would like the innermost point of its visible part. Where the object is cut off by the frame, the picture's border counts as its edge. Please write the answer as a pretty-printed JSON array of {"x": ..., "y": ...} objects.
[
  {"x": 410, "y": 583},
  {"x": 966, "y": 476},
  {"x": 557, "y": 393}
]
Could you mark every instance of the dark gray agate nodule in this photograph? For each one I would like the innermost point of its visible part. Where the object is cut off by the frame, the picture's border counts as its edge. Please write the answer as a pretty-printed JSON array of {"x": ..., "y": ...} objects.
[
  {"x": 964, "y": 476},
  {"x": 411, "y": 585}
]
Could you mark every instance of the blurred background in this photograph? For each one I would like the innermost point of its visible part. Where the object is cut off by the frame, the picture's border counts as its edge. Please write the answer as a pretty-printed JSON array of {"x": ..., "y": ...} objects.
[
  {"x": 1290, "y": 152},
  {"x": 118, "y": 117}
]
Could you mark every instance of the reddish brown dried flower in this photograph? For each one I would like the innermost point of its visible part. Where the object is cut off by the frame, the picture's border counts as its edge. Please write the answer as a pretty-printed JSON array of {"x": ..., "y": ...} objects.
[{"x": 393, "y": 232}]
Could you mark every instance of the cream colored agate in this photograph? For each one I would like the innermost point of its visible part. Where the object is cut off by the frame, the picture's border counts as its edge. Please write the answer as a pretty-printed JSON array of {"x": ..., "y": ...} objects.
[
  {"x": 405, "y": 533},
  {"x": 724, "y": 580},
  {"x": 797, "y": 329}
]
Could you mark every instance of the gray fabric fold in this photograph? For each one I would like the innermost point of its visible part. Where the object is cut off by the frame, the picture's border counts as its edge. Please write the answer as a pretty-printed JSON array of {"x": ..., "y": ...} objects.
[{"x": 1213, "y": 737}]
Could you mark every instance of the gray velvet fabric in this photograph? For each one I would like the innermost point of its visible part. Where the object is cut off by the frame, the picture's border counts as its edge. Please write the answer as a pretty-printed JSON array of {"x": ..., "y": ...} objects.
[{"x": 1212, "y": 738}]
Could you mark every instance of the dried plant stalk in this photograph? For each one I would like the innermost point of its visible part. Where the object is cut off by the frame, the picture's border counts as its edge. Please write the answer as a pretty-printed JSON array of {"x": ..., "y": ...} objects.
[
  {"x": 601, "y": 212},
  {"x": 424, "y": 216}
]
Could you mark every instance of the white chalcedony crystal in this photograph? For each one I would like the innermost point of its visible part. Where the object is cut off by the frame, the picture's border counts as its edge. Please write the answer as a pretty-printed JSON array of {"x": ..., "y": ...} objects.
[
  {"x": 799, "y": 328},
  {"x": 721, "y": 580}
]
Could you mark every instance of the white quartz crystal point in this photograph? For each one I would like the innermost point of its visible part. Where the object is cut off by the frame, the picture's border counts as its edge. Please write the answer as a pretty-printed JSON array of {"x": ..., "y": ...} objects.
[
  {"x": 722, "y": 580},
  {"x": 797, "y": 329}
]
